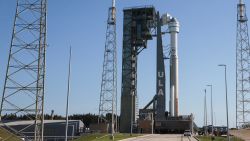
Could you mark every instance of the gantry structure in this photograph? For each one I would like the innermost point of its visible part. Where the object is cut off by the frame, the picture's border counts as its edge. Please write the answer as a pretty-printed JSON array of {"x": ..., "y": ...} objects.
[{"x": 138, "y": 25}]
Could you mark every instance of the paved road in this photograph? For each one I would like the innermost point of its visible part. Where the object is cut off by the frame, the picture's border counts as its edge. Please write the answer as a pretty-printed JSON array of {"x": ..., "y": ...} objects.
[
  {"x": 243, "y": 134},
  {"x": 162, "y": 137}
]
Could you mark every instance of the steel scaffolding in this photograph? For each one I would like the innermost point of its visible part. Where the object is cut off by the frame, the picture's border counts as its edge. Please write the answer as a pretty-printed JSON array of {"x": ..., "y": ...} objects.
[
  {"x": 108, "y": 95},
  {"x": 242, "y": 68},
  {"x": 23, "y": 92}
]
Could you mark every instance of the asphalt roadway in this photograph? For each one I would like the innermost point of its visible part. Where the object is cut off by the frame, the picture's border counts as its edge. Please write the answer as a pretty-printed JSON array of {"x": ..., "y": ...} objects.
[{"x": 162, "y": 137}]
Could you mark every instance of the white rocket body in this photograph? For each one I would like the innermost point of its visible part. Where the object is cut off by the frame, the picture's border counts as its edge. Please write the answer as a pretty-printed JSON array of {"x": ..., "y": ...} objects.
[
  {"x": 174, "y": 28},
  {"x": 171, "y": 102},
  {"x": 174, "y": 71}
]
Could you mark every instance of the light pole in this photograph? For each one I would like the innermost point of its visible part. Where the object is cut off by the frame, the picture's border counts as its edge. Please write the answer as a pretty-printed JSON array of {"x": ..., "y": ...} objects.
[
  {"x": 68, "y": 93},
  {"x": 205, "y": 112},
  {"x": 225, "y": 68},
  {"x": 212, "y": 122}
]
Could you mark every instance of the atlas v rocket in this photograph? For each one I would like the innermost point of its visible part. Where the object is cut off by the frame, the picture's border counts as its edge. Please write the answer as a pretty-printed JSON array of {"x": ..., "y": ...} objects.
[{"x": 173, "y": 26}]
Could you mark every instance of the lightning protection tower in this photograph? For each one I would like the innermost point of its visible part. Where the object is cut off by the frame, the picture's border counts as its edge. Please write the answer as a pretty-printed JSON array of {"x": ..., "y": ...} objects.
[
  {"x": 108, "y": 95},
  {"x": 23, "y": 92},
  {"x": 242, "y": 68}
]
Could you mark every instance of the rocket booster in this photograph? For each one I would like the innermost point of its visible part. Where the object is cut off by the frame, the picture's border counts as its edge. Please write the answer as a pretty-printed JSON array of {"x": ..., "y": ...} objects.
[{"x": 174, "y": 80}]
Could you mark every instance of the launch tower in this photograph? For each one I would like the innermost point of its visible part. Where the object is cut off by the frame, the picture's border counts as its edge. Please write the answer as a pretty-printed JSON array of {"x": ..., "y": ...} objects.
[
  {"x": 242, "y": 68},
  {"x": 108, "y": 95},
  {"x": 23, "y": 92}
]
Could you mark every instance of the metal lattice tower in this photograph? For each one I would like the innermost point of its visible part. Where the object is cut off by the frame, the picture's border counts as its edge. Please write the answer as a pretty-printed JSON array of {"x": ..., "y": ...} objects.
[
  {"x": 108, "y": 95},
  {"x": 23, "y": 93},
  {"x": 242, "y": 68}
]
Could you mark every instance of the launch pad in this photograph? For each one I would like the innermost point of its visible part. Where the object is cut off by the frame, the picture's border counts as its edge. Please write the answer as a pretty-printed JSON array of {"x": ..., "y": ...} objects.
[
  {"x": 147, "y": 123},
  {"x": 174, "y": 124},
  {"x": 140, "y": 25}
]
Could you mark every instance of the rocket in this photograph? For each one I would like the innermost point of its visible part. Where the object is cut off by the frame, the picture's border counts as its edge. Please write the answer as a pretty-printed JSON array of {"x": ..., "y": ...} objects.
[
  {"x": 174, "y": 27},
  {"x": 174, "y": 80}
]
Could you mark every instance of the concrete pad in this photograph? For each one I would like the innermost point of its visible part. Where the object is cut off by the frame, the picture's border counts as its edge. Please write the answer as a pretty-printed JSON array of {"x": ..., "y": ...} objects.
[
  {"x": 243, "y": 134},
  {"x": 161, "y": 137}
]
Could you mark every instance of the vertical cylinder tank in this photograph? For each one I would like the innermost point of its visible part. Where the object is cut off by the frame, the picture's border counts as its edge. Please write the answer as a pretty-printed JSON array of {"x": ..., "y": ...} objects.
[{"x": 174, "y": 30}]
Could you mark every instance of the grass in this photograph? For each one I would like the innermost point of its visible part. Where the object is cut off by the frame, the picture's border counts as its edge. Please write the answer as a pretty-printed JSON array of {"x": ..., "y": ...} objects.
[
  {"x": 208, "y": 138},
  {"x": 7, "y": 136},
  {"x": 104, "y": 137}
]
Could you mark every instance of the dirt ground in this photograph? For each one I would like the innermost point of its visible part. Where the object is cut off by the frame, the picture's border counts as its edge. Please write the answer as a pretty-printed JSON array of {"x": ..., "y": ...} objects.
[{"x": 243, "y": 134}]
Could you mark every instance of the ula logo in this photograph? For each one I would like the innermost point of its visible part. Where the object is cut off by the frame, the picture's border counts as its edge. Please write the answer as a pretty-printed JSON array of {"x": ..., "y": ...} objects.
[{"x": 160, "y": 83}]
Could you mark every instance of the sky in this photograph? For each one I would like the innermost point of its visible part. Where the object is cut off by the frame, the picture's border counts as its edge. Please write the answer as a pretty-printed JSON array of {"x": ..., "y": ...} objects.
[{"x": 207, "y": 38}]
